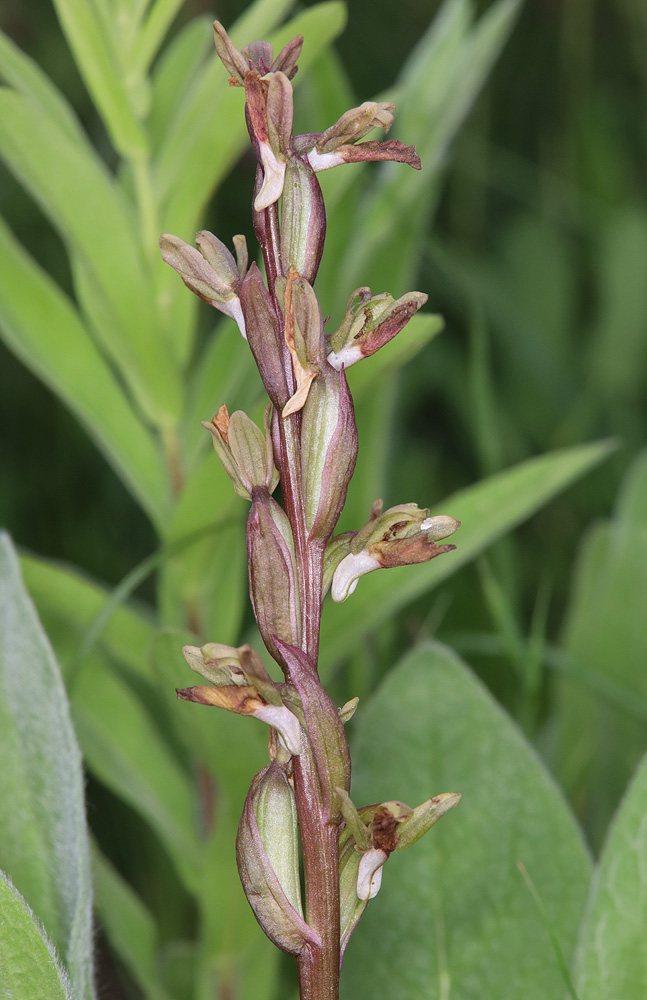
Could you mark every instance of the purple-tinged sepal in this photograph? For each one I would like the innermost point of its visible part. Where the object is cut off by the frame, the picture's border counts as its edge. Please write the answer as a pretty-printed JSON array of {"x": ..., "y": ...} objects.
[
  {"x": 264, "y": 336},
  {"x": 401, "y": 536},
  {"x": 328, "y": 450},
  {"x": 211, "y": 271},
  {"x": 303, "y": 220},
  {"x": 255, "y": 56},
  {"x": 244, "y": 450},
  {"x": 273, "y": 584},
  {"x": 325, "y": 729},
  {"x": 267, "y": 852},
  {"x": 370, "y": 322}
]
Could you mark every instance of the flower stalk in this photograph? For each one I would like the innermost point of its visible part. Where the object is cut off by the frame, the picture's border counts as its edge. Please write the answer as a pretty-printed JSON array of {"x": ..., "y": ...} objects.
[{"x": 299, "y": 804}]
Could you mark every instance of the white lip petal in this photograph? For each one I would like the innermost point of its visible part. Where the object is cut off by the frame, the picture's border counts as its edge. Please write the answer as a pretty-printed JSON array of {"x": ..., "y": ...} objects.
[
  {"x": 323, "y": 161},
  {"x": 348, "y": 356},
  {"x": 272, "y": 186},
  {"x": 348, "y": 573},
  {"x": 369, "y": 875},
  {"x": 287, "y": 724}
]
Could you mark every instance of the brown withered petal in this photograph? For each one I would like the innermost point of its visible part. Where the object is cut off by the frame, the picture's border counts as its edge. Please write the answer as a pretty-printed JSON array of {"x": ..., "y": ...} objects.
[
  {"x": 407, "y": 551},
  {"x": 390, "y": 149},
  {"x": 242, "y": 700},
  {"x": 221, "y": 422}
]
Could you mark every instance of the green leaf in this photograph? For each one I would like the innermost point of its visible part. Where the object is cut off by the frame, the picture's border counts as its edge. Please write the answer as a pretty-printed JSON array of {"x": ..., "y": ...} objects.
[
  {"x": 29, "y": 969},
  {"x": 173, "y": 75},
  {"x": 25, "y": 76},
  {"x": 486, "y": 511},
  {"x": 76, "y": 192},
  {"x": 598, "y": 745},
  {"x": 453, "y": 913},
  {"x": 437, "y": 87},
  {"x": 206, "y": 583},
  {"x": 108, "y": 82},
  {"x": 43, "y": 840},
  {"x": 69, "y": 603},
  {"x": 41, "y": 326},
  {"x": 128, "y": 751},
  {"x": 128, "y": 925},
  {"x": 611, "y": 960}
]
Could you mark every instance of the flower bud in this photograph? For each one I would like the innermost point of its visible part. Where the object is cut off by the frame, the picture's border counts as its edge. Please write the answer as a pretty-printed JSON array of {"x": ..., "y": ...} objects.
[
  {"x": 264, "y": 336},
  {"x": 211, "y": 272},
  {"x": 267, "y": 852},
  {"x": 272, "y": 573},
  {"x": 245, "y": 452},
  {"x": 401, "y": 536},
  {"x": 328, "y": 450},
  {"x": 240, "y": 684},
  {"x": 369, "y": 323},
  {"x": 303, "y": 220}
]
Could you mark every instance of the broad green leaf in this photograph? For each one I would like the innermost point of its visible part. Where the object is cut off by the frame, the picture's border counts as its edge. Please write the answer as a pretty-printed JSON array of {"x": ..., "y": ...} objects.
[
  {"x": 25, "y": 76},
  {"x": 611, "y": 960},
  {"x": 68, "y": 604},
  {"x": 127, "y": 750},
  {"x": 128, "y": 925},
  {"x": 29, "y": 969},
  {"x": 41, "y": 326},
  {"x": 486, "y": 510},
  {"x": 108, "y": 82},
  {"x": 210, "y": 133},
  {"x": 43, "y": 839},
  {"x": 76, "y": 192},
  {"x": 453, "y": 916},
  {"x": 597, "y": 744}
]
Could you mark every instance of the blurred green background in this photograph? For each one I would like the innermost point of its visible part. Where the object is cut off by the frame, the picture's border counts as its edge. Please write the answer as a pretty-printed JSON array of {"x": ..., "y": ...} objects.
[{"x": 534, "y": 250}]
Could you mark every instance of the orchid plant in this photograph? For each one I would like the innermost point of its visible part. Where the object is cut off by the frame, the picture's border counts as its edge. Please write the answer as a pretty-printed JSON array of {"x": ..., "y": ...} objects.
[{"x": 299, "y": 804}]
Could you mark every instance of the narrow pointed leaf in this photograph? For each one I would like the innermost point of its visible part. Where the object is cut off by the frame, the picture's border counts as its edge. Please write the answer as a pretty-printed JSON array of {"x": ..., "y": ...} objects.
[{"x": 42, "y": 327}]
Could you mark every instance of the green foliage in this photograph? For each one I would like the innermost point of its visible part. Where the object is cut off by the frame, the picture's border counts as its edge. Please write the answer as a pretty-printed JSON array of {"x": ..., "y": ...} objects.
[
  {"x": 537, "y": 267},
  {"x": 455, "y": 910},
  {"x": 44, "y": 845},
  {"x": 610, "y": 958},
  {"x": 28, "y": 965}
]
